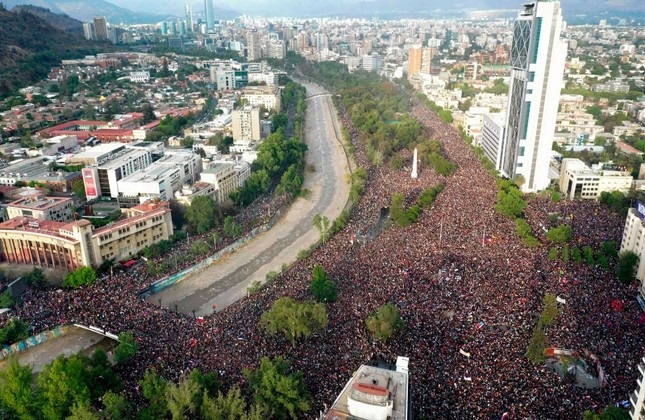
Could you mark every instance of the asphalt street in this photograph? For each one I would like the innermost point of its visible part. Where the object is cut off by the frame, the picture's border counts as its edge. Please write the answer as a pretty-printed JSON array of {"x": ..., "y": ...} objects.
[{"x": 226, "y": 281}]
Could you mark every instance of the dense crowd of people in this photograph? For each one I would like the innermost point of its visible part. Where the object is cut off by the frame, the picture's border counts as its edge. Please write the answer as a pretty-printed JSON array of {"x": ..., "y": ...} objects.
[{"x": 460, "y": 277}]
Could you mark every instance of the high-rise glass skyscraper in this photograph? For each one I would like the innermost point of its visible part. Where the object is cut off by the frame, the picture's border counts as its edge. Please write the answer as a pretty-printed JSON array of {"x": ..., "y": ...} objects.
[
  {"x": 208, "y": 10},
  {"x": 189, "y": 18},
  {"x": 537, "y": 65}
]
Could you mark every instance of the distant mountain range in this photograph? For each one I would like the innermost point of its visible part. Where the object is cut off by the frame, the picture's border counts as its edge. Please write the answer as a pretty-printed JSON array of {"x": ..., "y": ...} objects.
[
  {"x": 138, "y": 11},
  {"x": 85, "y": 10}
]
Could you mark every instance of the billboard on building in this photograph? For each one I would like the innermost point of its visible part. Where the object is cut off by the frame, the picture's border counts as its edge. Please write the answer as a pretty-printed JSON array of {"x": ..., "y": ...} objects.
[{"x": 90, "y": 183}]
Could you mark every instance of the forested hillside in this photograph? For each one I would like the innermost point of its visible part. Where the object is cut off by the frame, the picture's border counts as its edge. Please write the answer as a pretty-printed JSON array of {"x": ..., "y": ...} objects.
[
  {"x": 57, "y": 20},
  {"x": 29, "y": 47}
]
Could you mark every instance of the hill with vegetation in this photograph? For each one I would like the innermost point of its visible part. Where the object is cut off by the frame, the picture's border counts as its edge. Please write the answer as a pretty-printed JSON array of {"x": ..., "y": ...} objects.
[
  {"x": 30, "y": 47},
  {"x": 57, "y": 20}
]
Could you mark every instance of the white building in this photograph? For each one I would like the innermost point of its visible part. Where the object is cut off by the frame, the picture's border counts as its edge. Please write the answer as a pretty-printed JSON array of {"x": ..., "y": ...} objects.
[
  {"x": 57, "y": 144},
  {"x": 161, "y": 179},
  {"x": 268, "y": 78},
  {"x": 637, "y": 398},
  {"x": 102, "y": 180},
  {"x": 225, "y": 79},
  {"x": 246, "y": 128},
  {"x": 140, "y": 76},
  {"x": 266, "y": 96},
  {"x": 37, "y": 206},
  {"x": 537, "y": 65},
  {"x": 577, "y": 180},
  {"x": 492, "y": 135},
  {"x": 372, "y": 62},
  {"x": 634, "y": 241},
  {"x": 473, "y": 123},
  {"x": 374, "y": 393},
  {"x": 224, "y": 177}
]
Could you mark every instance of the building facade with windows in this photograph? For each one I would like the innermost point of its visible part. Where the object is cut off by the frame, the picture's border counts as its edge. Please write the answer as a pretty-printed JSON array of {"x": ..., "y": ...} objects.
[
  {"x": 577, "y": 180},
  {"x": 634, "y": 241},
  {"x": 46, "y": 243},
  {"x": 37, "y": 206},
  {"x": 537, "y": 65}
]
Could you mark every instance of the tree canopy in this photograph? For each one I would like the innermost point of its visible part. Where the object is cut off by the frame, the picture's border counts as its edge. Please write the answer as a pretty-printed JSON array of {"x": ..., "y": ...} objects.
[
  {"x": 278, "y": 390},
  {"x": 82, "y": 276},
  {"x": 626, "y": 267},
  {"x": 559, "y": 235},
  {"x": 385, "y": 322},
  {"x": 202, "y": 214},
  {"x": 322, "y": 287},
  {"x": 294, "y": 320},
  {"x": 126, "y": 349}
]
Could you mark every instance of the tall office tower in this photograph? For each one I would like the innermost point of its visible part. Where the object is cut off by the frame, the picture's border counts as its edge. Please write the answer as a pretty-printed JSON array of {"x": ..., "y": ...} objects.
[
  {"x": 208, "y": 10},
  {"x": 100, "y": 27},
  {"x": 189, "y": 18},
  {"x": 254, "y": 47},
  {"x": 426, "y": 62},
  {"x": 88, "y": 31},
  {"x": 415, "y": 57},
  {"x": 537, "y": 65}
]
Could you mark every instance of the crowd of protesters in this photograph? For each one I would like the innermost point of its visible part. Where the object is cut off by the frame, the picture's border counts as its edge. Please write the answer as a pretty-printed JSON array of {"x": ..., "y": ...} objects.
[{"x": 460, "y": 277}]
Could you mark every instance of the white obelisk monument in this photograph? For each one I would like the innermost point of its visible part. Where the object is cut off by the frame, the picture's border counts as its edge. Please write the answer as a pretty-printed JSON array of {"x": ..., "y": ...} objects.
[{"x": 414, "y": 173}]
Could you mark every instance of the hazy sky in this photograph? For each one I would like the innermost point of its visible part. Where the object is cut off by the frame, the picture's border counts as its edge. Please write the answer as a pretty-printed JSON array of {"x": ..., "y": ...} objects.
[{"x": 299, "y": 7}]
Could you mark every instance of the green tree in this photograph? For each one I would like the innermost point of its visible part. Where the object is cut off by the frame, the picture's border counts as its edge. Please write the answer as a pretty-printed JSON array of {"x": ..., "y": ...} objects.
[
  {"x": 6, "y": 301},
  {"x": 82, "y": 410},
  {"x": 587, "y": 251},
  {"x": 62, "y": 383},
  {"x": 148, "y": 114},
  {"x": 322, "y": 287},
  {"x": 184, "y": 399},
  {"x": 116, "y": 406},
  {"x": 231, "y": 228},
  {"x": 385, "y": 322},
  {"x": 553, "y": 254},
  {"x": 229, "y": 406},
  {"x": 202, "y": 214},
  {"x": 100, "y": 375},
  {"x": 200, "y": 247},
  {"x": 89, "y": 113},
  {"x": 322, "y": 224},
  {"x": 154, "y": 390},
  {"x": 13, "y": 331},
  {"x": 281, "y": 392},
  {"x": 609, "y": 413},
  {"x": 126, "y": 349},
  {"x": 626, "y": 267},
  {"x": 16, "y": 390},
  {"x": 559, "y": 235},
  {"x": 510, "y": 203},
  {"x": 82, "y": 276},
  {"x": 187, "y": 142},
  {"x": 293, "y": 319},
  {"x": 616, "y": 201},
  {"x": 209, "y": 382}
]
